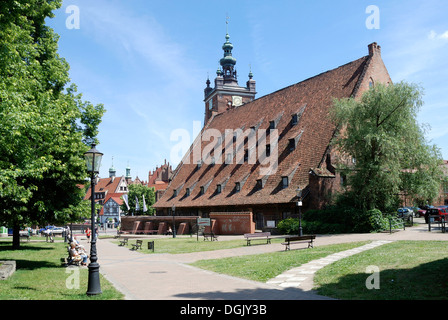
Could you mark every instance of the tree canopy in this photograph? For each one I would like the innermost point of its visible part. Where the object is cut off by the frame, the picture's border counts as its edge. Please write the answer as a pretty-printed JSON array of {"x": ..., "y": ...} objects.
[
  {"x": 136, "y": 192},
  {"x": 44, "y": 124},
  {"x": 390, "y": 154}
]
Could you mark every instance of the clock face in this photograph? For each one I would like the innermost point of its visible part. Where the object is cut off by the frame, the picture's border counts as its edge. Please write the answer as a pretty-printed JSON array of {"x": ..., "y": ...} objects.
[{"x": 237, "y": 101}]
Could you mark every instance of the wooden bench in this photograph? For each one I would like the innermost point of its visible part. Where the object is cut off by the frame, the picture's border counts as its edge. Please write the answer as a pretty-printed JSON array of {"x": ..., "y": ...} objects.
[
  {"x": 69, "y": 261},
  {"x": 211, "y": 235},
  {"x": 258, "y": 236},
  {"x": 299, "y": 239},
  {"x": 124, "y": 242},
  {"x": 137, "y": 245}
]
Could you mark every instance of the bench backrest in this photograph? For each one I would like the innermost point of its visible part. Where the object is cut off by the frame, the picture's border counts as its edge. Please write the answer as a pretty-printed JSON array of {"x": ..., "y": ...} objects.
[
  {"x": 256, "y": 235},
  {"x": 298, "y": 238},
  {"x": 139, "y": 241}
]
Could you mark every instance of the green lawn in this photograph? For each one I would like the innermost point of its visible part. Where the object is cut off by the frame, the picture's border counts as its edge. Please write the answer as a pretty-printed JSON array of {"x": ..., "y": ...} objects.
[
  {"x": 407, "y": 270},
  {"x": 40, "y": 275},
  {"x": 262, "y": 267},
  {"x": 190, "y": 244}
]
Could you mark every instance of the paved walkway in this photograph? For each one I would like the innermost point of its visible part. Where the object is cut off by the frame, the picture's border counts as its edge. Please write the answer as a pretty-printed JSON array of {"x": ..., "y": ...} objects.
[
  {"x": 169, "y": 277},
  {"x": 302, "y": 276}
]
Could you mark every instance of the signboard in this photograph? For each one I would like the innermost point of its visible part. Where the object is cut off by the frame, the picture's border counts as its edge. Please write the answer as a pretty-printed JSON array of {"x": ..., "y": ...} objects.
[
  {"x": 270, "y": 223},
  {"x": 204, "y": 222}
]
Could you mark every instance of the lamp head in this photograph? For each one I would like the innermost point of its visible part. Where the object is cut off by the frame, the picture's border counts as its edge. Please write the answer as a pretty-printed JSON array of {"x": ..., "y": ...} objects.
[{"x": 93, "y": 159}]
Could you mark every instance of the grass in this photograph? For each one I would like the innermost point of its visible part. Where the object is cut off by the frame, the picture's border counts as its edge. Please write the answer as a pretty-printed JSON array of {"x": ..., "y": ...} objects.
[
  {"x": 190, "y": 244},
  {"x": 262, "y": 267},
  {"x": 40, "y": 276},
  {"x": 408, "y": 270}
]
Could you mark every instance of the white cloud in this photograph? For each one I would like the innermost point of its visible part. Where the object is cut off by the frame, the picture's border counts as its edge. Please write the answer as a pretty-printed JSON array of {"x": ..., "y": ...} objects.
[{"x": 434, "y": 36}]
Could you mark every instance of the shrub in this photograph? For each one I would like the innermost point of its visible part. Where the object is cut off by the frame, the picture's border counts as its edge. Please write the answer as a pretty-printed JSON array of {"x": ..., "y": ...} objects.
[{"x": 336, "y": 220}]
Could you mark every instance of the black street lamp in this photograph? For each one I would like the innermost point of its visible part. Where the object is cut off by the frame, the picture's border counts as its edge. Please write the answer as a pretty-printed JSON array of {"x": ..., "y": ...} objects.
[
  {"x": 93, "y": 161},
  {"x": 299, "y": 204},
  {"x": 173, "y": 209}
]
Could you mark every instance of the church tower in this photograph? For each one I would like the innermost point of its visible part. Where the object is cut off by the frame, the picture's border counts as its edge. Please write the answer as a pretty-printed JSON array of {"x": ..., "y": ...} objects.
[{"x": 227, "y": 94}]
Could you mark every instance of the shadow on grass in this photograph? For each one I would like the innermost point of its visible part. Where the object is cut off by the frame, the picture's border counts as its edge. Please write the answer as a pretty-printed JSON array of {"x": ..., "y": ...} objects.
[
  {"x": 253, "y": 294},
  {"x": 32, "y": 265},
  {"x": 7, "y": 246},
  {"x": 428, "y": 281}
]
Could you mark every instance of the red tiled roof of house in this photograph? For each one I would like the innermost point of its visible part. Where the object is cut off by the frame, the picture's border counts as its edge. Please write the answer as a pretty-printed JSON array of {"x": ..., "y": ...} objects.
[
  {"x": 104, "y": 185},
  {"x": 312, "y": 98}
]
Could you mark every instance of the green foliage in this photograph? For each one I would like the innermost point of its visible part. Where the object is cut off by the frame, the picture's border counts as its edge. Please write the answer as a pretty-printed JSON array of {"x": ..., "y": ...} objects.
[
  {"x": 138, "y": 190},
  {"x": 336, "y": 219},
  {"x": 381, "y": 133},
  {"x": 43, "y": 121}
]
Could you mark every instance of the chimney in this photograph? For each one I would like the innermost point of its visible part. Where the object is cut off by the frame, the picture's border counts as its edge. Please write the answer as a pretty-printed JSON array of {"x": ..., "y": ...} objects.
[{"x": 374, "y": 48}]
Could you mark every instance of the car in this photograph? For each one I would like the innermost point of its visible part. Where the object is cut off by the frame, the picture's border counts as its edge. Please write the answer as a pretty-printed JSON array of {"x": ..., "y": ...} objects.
[
  {"x": 41, "y": 230},
  {"x": 436, "y": 212},
  {"x": 405, "y": 213},
  {"x": 53, "y": 229},
  {"x": 58, "y": 230},
  {"x": 421, "y": 212}
]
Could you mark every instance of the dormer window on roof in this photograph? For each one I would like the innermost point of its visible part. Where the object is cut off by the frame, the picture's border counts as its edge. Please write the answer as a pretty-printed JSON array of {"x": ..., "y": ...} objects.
[
  {"x": 218, "y": 188},
  {"x": 292, "y": 145},
  {"x": 202, "y": 190},
  {"x": 237, "y": 187},
  {"x": 187, "y": 192},
  {"x": 294, "y": 119},
  {"x": 285, "y": 182},
  {"x": 294, "y": 141}
]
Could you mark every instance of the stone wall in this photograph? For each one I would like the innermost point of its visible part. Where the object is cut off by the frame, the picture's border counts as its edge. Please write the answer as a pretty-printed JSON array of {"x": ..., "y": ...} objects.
[
  {"x": 232, "y": 222},
  {"x": 183, "y": 223}
]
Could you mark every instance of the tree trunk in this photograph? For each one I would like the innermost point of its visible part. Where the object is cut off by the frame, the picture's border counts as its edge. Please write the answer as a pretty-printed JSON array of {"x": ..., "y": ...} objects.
[{"x": 16, "y": 236}]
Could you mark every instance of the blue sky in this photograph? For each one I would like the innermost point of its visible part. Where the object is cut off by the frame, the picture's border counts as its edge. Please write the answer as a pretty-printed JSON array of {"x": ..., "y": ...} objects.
[{"x": 147, "y": 60}]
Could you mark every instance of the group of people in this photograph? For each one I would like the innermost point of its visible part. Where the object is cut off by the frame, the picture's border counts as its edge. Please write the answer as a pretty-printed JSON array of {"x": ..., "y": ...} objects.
[{"x": 78, "y": 252}]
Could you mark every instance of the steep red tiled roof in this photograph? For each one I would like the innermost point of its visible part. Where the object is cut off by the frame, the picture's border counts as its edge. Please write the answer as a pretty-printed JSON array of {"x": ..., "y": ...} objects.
[
  {"x": 314, "y": 130},
  {"x": 104, "y": 185}
]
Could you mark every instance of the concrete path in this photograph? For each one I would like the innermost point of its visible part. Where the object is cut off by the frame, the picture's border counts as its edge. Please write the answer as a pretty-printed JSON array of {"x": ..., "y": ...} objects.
[
  {"x": 302, "y": 277},
  {"x": 169, "y": 277}
]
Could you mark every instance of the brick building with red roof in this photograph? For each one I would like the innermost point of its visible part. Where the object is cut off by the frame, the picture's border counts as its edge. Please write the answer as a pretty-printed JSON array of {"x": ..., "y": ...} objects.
[{"x": 298, "y": 116}]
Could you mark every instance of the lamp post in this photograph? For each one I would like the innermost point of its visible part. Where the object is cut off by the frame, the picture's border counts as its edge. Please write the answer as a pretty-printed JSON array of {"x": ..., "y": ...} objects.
[
  {"x": 299, "y": 204},
  {"x": 173, "y": 209},
  {"x": 93, "y": 161}
]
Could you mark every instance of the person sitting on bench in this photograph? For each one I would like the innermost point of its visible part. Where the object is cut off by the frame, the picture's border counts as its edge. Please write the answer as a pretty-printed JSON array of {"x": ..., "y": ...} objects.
[{"x": 78, "y": 255}]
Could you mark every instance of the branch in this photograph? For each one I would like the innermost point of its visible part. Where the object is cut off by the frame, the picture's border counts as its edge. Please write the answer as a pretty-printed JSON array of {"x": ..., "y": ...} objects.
[{"x": 395, "y": 109}]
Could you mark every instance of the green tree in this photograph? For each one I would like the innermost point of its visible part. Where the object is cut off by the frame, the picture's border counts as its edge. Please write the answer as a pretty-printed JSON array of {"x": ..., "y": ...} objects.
[
  {"x": 139, "y": 191},
  {"x": 43, "y": 121},
  {"x": 389, "y": 151}
]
